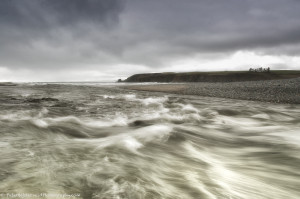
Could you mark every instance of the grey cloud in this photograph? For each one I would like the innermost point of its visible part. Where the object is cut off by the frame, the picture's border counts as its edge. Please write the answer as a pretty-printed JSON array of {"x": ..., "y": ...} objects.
[
  {"x": 43, "y": 33},
  {"x": 52, "y": 13},
  {"x": 164, "y": 30},
  {"x": 230, "y": 23},
  {"x": 101, "y": 33}
]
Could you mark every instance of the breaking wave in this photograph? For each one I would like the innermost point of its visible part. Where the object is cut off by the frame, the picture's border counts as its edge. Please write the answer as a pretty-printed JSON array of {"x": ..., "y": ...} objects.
[{"x": 103, "y": 142}]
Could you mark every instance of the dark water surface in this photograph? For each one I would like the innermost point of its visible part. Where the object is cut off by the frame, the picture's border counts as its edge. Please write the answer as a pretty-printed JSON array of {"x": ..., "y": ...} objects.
[{"x": 99, "y": 141}]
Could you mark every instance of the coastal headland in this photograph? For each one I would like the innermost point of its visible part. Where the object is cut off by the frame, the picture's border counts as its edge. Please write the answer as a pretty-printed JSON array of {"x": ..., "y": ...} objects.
[
  {"x": 275, "y": 86},
  {"x": 220, "y": 76}
]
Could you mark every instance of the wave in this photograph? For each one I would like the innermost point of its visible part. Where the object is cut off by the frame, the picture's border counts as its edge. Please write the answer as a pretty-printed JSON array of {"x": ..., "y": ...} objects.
[
  {"x": 133, "y": 140},
  {"x": 110, "y": 143}
]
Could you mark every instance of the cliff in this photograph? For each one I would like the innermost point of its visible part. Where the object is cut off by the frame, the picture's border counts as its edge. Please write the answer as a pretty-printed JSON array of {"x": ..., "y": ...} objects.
[{"x": 228, "y": 76}]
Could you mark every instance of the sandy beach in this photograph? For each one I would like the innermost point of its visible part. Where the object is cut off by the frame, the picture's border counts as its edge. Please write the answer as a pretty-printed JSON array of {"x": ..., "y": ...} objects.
[{"x": 276, "y": 91}]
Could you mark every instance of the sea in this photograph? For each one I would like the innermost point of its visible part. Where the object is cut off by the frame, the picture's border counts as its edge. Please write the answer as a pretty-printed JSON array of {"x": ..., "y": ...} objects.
[{"x": 100, "y": 141}]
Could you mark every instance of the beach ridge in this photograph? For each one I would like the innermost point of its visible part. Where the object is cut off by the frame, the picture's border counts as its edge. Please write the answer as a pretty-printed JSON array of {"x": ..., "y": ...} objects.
[{"x": 276, "y": 91}]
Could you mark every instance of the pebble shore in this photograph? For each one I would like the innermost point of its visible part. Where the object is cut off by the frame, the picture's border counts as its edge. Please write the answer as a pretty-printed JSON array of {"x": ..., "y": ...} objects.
[{"x": 276, "y": 91}]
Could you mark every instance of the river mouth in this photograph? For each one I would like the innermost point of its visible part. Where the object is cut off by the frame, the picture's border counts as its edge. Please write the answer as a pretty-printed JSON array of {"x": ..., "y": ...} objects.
[{"x": 99, "y": 141}]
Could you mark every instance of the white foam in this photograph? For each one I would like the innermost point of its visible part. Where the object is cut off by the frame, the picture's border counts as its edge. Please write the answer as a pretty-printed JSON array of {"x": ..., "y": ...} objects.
[
  {"x": 15, "y": 116},
  {"x": 145, "y": 101},
  {"x": 64, "y": 119},
  {"x": 187, "y": 117},
  {"x": 106, "y": 159},
  {"x": 131, "y": 143},
  {"x": 132, "y": 140},
  {"x": 188, "y": 108},
  {"x": 108, "y": 96},
  {"x": 232, "y": 181},
  {"x": 43, "y": 112},
  {"x": 151, "y": 100},
  {"x": 261, "y": 116},
  {"x": 290, "y": 136},
  {"x": 236, "y": 121},
  {"x": 4, "y": 144},
  {"x": 119, "y": 120},
  {"x": 194, "y": 180},
  {"x": 31, "y": 153},
  {"x": 130, "y": 97},
  {"x": 153, "y": 133},
  {"x": 40, "y": 123}
]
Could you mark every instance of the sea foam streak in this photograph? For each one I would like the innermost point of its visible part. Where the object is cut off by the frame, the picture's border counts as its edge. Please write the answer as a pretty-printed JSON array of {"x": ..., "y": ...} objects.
[{"x": 104, "y": 142}]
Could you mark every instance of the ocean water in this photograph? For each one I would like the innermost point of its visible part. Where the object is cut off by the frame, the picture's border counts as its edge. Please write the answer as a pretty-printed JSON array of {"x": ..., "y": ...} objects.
[{"x": 98, "y": 141}]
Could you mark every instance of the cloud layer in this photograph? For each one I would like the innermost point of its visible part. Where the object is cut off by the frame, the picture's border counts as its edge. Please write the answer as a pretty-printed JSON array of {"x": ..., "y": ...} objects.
[{"x": 116, "y": 38}]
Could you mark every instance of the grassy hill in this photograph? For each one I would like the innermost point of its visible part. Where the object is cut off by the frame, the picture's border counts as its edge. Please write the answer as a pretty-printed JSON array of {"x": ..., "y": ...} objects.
[{"x": 220, "y": 76}]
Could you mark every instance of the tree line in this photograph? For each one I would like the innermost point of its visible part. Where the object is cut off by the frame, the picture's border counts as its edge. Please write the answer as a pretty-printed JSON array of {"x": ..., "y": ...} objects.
[{"x": 260, "y": 70}]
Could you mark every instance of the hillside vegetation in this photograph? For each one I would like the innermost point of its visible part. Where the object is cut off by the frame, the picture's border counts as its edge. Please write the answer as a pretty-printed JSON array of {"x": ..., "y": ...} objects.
[{"x": 226, "y": 76}]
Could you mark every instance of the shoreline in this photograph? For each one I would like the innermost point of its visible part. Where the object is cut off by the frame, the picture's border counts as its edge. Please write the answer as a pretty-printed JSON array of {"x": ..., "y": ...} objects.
[{"x": 284, "y": 91}]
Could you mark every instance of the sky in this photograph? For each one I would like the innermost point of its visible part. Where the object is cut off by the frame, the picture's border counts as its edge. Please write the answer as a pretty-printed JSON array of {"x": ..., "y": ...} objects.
[{"x": 104, "y": 40}]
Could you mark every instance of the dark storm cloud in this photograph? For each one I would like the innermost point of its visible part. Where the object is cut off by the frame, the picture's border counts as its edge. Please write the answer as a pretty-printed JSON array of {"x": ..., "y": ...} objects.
[
  {"x": 104, "y": 33},
  {"x": 187, "y": 27},
  {"x": 51, "y": 13},
  {"x": 43, "y": 33}
]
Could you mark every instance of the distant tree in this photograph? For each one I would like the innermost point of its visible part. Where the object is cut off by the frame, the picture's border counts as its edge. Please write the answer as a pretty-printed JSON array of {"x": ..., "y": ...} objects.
[{"x": 260, "y": 70}]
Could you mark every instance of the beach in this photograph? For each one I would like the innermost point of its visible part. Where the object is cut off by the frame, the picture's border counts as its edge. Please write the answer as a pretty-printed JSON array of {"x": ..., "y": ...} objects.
[{"x": 275, "y": 91}]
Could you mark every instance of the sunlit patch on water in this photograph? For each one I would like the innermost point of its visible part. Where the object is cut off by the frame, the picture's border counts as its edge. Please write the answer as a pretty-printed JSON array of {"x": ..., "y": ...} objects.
[{"x": 103, "y": 142}]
